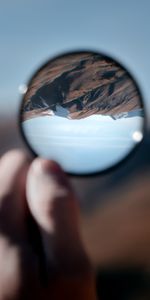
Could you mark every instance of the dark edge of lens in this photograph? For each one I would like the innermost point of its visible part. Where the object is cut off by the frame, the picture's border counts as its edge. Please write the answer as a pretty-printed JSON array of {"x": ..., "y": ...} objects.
[{"x": 109, "y": 58}]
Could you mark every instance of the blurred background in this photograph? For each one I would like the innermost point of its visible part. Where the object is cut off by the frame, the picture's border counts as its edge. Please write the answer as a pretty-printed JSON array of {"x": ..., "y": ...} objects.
[{"x": 115, "y": 207}]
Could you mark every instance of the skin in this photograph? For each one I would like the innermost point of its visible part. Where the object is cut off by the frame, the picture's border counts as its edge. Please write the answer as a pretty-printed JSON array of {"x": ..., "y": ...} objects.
[{"x": 41, "y": 252}]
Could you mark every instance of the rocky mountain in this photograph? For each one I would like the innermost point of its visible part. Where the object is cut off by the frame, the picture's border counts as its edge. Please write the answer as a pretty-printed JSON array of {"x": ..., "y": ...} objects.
[
  {"x": 79, "y": 85},
  {"x": 130, "y": 114}
]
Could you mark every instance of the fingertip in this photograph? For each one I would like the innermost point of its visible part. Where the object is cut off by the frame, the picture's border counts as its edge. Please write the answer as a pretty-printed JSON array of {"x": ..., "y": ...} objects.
[
  {"x": 53, "y": 205},
  {"x": 14, "y": 158},
  {"x": 49, "y": 167},
  {"x": 46, "y": 182},
  {"x": 13, "y": 171}
]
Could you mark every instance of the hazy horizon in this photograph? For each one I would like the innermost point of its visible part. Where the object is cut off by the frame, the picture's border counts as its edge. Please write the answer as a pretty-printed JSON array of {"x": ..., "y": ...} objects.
[{"x": 82, "y": 146}]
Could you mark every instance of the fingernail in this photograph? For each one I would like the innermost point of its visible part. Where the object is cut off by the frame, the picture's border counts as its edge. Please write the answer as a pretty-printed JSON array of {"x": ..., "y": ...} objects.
[
  {"x": 50, "y": 166},
  {"x": 46, "y": 166}
]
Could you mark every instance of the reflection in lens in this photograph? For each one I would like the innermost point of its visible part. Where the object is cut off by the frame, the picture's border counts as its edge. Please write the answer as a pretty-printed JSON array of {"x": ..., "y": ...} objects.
[
  {"x": 84, "y": 111},
  {"x": 137, "y": 136}
]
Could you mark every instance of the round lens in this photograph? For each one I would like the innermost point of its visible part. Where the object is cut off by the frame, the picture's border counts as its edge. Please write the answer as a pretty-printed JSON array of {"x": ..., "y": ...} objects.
[{"x": 83, "y": 110}]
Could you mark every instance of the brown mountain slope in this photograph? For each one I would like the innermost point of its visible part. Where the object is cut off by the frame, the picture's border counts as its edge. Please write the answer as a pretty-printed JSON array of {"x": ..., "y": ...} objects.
[{"x": 84, "y": 84}]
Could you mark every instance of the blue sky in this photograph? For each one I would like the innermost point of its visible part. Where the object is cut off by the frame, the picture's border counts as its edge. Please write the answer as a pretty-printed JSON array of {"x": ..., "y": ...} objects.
[{"x": 32, "y": 31}]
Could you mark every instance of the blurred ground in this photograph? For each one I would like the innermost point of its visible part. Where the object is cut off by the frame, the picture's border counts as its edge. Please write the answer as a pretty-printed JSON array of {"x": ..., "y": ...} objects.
[{"x": 115, "y": 220}]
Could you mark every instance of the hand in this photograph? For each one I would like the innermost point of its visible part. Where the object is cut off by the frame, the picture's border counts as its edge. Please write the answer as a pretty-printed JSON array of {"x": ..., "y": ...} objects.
[{"x": 39, "y": 191}]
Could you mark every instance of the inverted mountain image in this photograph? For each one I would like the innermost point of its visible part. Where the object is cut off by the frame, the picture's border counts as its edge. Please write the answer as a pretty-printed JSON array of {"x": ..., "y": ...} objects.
[{"x": 78, "y": 85}]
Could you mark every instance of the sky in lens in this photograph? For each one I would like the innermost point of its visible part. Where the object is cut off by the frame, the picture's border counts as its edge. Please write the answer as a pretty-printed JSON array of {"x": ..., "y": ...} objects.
[
  {"x": 81, "y": 146},
  {"x": 31, "y": 31}
]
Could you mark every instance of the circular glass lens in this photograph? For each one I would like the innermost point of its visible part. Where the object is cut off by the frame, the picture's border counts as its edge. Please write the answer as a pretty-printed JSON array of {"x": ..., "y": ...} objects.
[{"x": 83, "y": 110}]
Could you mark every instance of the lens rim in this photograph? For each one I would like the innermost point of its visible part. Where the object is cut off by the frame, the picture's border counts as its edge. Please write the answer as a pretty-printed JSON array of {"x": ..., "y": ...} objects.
[{"x": 141, "y": 99}]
